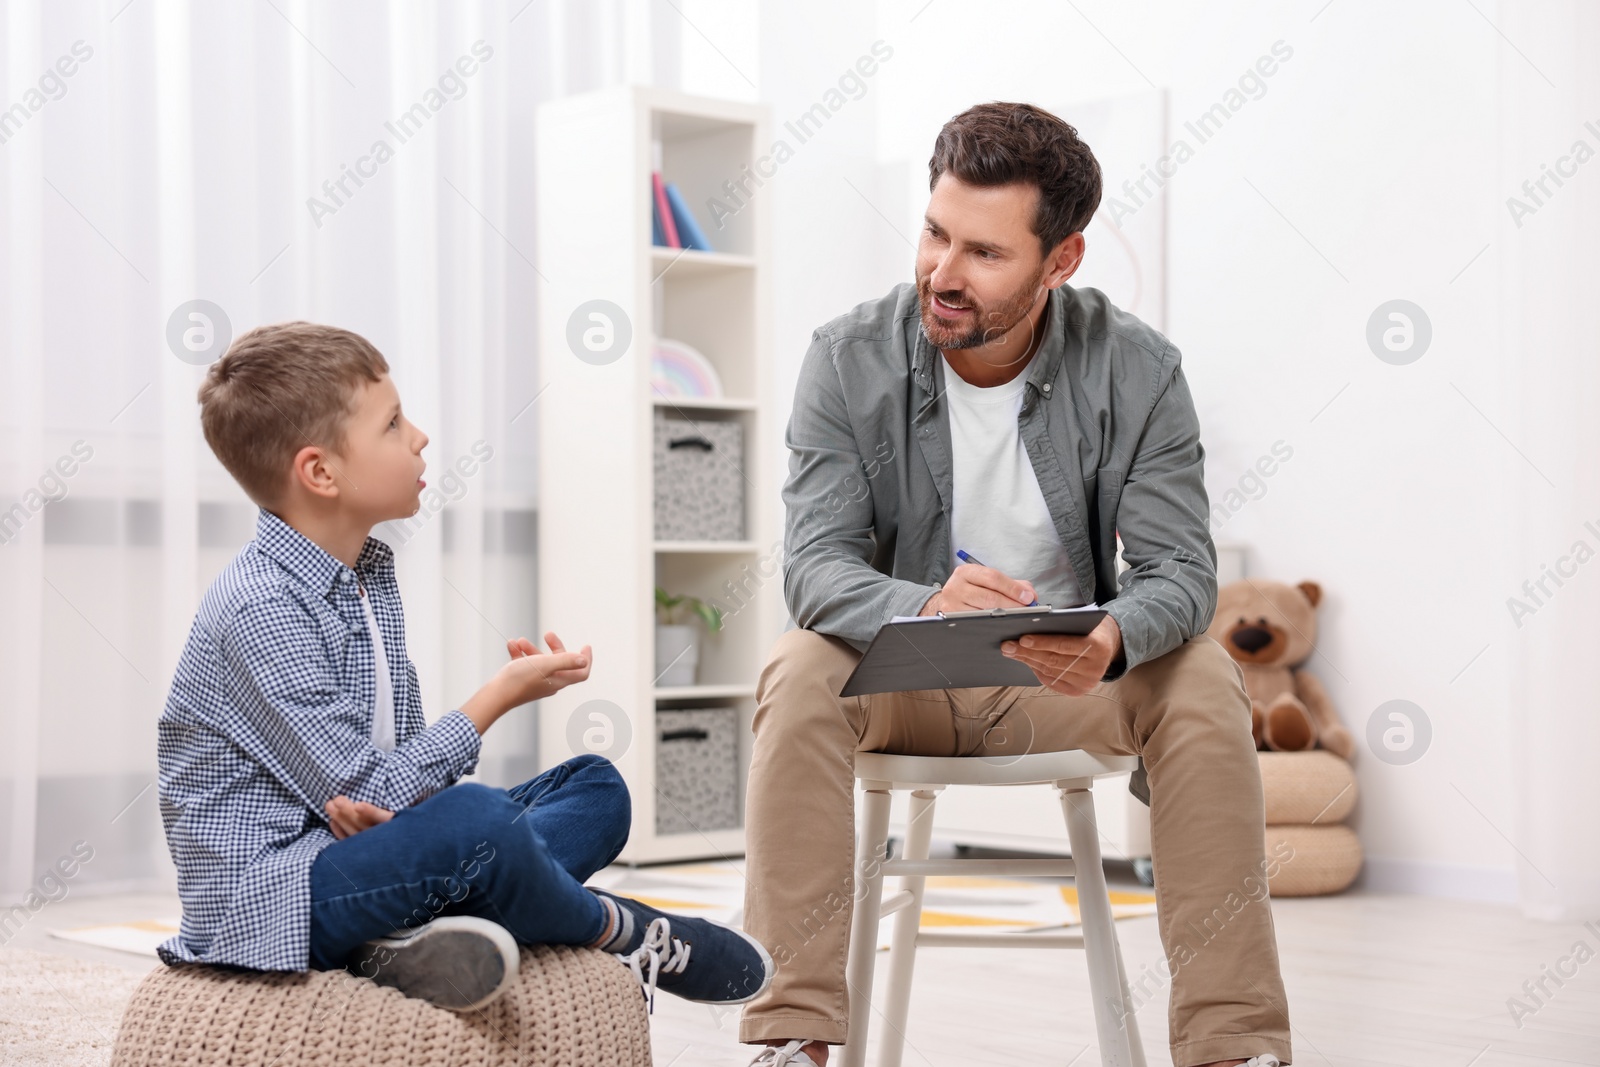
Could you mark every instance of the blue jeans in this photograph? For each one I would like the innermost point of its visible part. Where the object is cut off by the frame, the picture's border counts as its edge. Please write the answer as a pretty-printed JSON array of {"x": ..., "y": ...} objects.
[{"x": 516, "y": 856}]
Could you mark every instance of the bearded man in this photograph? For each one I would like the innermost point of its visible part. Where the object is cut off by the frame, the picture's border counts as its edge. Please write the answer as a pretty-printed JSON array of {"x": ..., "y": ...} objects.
[{"x": 994, "y": 409}]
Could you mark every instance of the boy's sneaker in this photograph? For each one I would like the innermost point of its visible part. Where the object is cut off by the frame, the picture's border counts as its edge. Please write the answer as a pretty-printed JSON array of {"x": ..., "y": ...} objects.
[
  {"x": 784, "y": 1056},
  {"x": 457, "y": 962},
  {"x": 696, "y": 959}
]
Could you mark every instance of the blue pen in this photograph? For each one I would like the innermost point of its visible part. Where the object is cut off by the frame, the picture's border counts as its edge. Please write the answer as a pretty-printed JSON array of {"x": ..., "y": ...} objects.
[{"x": 967, "y": 557}]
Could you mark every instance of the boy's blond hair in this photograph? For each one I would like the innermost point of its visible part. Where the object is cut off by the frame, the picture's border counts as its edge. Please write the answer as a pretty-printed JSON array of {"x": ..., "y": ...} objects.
[{"x": 278, "y": 389}]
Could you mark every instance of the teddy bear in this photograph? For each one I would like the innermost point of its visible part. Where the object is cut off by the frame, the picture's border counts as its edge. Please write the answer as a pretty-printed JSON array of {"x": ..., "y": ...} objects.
[{"x": 1270, "y": 629}]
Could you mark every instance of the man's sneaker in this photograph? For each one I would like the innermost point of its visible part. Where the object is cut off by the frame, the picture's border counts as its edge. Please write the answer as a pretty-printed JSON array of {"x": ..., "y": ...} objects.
[
  {"x": 457, "y": 962},
  {"x": 696, "y": 959},
  {"x": 1266, "y": 1059},
  {"x": 784, "y": 1056}
]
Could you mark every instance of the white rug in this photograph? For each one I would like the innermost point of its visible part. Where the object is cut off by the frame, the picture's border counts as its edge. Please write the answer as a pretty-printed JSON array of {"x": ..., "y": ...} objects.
[
  {"x": 59, "y": 1012},
  {"x": 716, "y": 891}
]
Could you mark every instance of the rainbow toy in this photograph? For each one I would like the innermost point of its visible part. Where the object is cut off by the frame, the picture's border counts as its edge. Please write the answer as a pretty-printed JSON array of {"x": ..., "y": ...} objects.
[{"x": 679, "y": 370}]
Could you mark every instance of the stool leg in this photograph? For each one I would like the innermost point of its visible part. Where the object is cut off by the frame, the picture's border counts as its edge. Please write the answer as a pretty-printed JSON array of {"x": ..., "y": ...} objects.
[
  {"x": 1135, "y": 1042},
  {"x": 871, "y": 841},
  {"x": 903, "y": 943},
  {"x": 1113, "y": 1017}
]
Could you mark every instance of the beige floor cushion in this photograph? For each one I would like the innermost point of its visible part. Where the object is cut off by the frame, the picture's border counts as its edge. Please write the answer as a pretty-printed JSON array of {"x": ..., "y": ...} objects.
[
  {"x": 1307, "y": 787},
  {"x": 1312, "y": 860},
  {"x": 570, "y": 1007}
]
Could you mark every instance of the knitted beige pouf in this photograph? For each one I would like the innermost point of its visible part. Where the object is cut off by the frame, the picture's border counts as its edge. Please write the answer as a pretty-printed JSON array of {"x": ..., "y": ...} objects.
[
  {"x": 569, "y": 1007},
  {"x": 1312, "y": 860},
  {"x": 1306, "y": 787},
  {"x": 1308, "y": 795}
]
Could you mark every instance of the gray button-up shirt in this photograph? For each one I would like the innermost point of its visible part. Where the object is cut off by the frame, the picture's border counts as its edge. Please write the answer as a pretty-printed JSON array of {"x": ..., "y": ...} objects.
[{"x": 1107, "y": 421}]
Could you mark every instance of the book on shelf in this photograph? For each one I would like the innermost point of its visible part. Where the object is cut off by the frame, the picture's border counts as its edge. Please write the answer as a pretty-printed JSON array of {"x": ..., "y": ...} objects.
[
  {"x": 688, "y": 229},
  {"x": 658, "y": 232},
  {"x": 671, "y": 223},
  {"x": 663, "y": 212}
]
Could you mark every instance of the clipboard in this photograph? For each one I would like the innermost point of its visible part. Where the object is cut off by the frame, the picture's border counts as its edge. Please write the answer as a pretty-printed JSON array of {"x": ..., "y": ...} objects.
[{"x": 959, "y": 649}]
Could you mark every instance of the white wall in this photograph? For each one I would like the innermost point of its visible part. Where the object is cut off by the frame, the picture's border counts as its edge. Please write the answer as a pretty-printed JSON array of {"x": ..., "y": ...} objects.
[
  {"x": 1549, "y": 275},
  {"x": 828, "y": 238},
  {"x": 1366, "y": 171},
  {"x": 1396, "y": 498}
]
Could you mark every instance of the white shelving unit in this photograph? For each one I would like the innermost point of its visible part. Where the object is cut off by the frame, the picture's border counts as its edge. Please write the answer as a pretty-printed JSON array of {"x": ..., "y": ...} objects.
[{"x": 598, "y": 558}]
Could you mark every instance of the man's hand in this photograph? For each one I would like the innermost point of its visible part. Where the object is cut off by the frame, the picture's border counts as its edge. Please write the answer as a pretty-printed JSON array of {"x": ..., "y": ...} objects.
[
  {"x": 1068, "y": 663},
  {"x": 347, "y": 817},
  {"x": 974, "y": 587}
]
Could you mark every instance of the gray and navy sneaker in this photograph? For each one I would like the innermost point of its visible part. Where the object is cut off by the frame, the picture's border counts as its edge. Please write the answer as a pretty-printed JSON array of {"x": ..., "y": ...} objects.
[
  {"x": 457, "y": 962},
  {"x": 696, "y": 959}
]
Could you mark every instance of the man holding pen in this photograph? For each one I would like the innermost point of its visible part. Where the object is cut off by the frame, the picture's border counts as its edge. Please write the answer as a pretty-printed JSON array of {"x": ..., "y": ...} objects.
[{"x": 992, "y": 410}]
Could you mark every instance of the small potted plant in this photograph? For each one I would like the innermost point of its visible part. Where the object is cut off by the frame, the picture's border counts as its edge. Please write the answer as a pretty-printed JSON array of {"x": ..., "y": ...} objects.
[{"x": 677, "y": 655}]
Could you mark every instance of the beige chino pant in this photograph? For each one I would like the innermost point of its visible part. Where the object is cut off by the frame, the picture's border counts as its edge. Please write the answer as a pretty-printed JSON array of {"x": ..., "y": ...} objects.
[{"x": 1185, "y": 712}]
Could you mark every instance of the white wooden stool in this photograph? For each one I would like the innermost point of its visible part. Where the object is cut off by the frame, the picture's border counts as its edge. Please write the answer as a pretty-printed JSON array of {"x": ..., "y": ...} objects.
[{"x": 1072, "y": 773}]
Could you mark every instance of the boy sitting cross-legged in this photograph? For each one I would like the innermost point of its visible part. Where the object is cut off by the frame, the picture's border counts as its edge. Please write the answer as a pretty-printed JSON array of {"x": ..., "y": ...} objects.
[{"x": 313, "y": 814}]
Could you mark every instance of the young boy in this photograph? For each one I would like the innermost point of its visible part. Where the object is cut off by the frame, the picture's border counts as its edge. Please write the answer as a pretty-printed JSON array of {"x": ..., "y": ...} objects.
[{"x": 311, "y": 811}]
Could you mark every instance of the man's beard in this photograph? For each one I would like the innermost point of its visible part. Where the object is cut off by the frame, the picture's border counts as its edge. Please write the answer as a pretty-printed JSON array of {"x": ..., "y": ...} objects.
[{"x": 987, "y": 322}]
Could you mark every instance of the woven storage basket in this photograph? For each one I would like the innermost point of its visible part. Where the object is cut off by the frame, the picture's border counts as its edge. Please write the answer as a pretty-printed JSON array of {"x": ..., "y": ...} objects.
[
  {"x": 572, "y": 1007},
  {"x": 1307, "y": 787},
  {"x": 1325, "y": 859}
]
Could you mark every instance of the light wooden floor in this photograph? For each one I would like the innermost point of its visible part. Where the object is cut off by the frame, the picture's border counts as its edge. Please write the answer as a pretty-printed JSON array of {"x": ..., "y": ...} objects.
[{"x": 1372, "y": 979}]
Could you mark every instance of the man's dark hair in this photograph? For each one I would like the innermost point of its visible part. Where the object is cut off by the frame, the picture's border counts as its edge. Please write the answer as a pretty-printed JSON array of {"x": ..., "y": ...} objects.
[{"x": 999, "y": 143}]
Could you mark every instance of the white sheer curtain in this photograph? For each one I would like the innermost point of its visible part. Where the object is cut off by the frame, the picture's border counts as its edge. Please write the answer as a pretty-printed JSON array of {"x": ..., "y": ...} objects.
[{"x": 178, "y": 161}]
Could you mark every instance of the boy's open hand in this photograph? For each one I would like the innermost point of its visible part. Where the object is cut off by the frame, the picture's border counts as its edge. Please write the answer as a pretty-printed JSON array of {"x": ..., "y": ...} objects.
[
  {"x": 533, "y": 674},
  {"x": 346, "y": 816},
  {"x": 530, "y": 675}
]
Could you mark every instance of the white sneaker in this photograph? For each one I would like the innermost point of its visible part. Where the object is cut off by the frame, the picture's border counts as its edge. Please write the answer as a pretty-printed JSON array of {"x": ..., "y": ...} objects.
[
  {"x": 456, "y": 962},
  {"x": 1266, "y": 1059},
  {"x": 784, "y": 1056}
]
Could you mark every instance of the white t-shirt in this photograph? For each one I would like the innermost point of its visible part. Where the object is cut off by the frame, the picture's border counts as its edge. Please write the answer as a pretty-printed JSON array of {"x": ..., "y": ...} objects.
[
  {"x": 998, "y": 513},
  {"x": 383, "y": 710}
]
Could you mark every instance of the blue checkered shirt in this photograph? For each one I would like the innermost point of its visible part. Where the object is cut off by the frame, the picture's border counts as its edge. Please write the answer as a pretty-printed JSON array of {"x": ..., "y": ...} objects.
[{"x": 269, "y": 718}]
